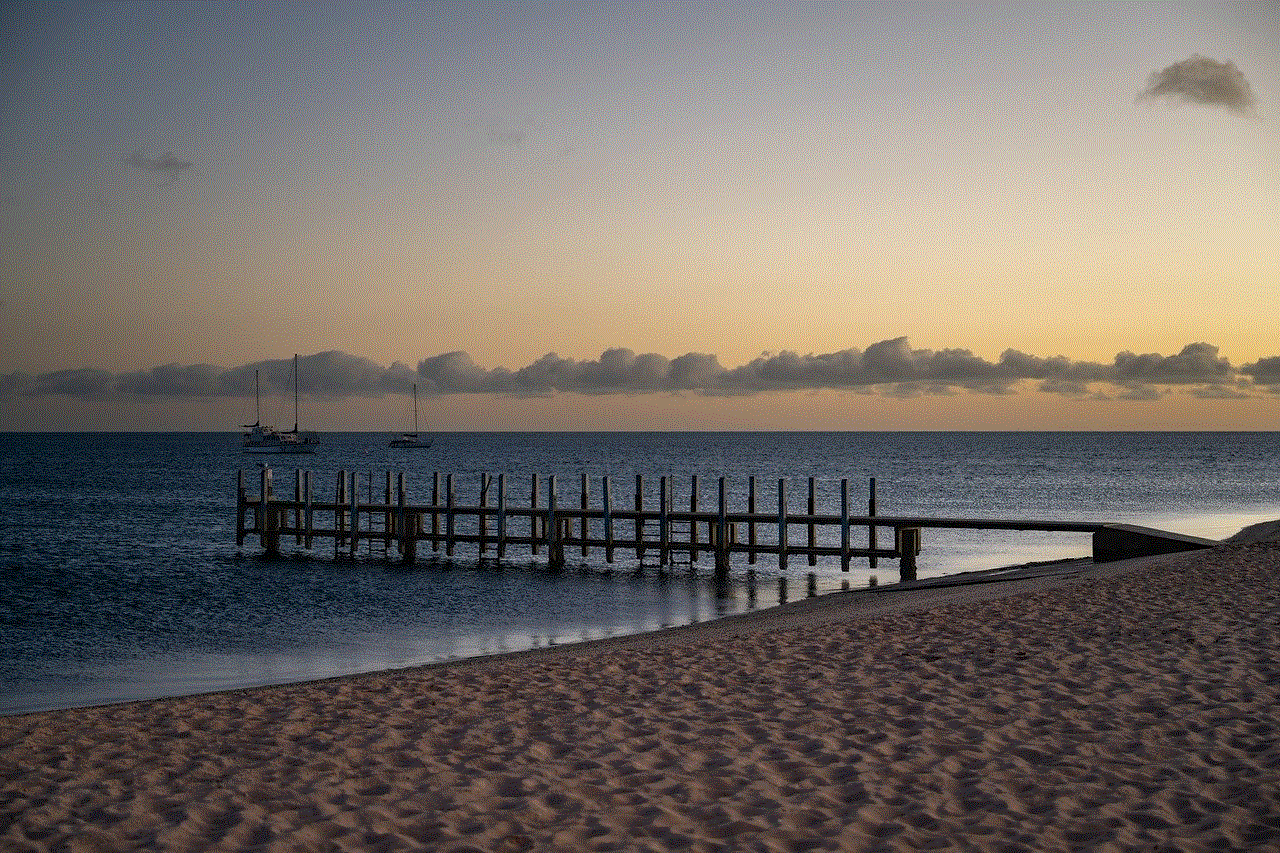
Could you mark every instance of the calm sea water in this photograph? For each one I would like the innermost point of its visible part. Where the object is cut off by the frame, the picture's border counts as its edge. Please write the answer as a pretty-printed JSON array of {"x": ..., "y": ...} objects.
[{"x": 120, "y": 577}]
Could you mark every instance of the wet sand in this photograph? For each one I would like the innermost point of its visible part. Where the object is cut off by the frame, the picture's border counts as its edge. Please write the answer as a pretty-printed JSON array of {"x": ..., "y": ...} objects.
[{"x": 1130, "y": 706}]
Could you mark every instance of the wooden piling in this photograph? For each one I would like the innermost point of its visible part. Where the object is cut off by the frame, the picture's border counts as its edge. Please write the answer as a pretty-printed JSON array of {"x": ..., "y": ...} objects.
[
  {"x": 297, "y": 506},
  {"x": 308, "y": 511},
  {"x": 664, "y": 524},
  {"x": 844, "y": 525},
  {"x": 555, "y": 548},
  {"x": 782, "y": 523},
  {"x": 907, "y": 543},
  {"x": 722, "y": 534},
  {"x": 639, "y": 516},
  {"x": 435, "y": 511},
  {"x": 448, "y": 517},
  {"x": 483, "y": 521},
  {"x": 406, "y": 541},
  {"x": 584, "y": 513},
  {"x": 388, "y": 524},
  {"x": 355, "y": 513},
  {"x": 871, "y": 529},
  {"x": 693, "y": 522},
  {"x": 269, "y": 525},
  {"x": 751, "y": 525},
  {"x": 606, "y": 499},
  {"x": 264, "y": 503},
  {"x": 339, "y": 514},
  {"x": 502, "y": 516},
  {"x": 533, "y": 518},
  {"x": 240, "y": 505},
  {"x": 813, "y": 530},
  {"x": 271, "y": 536}
]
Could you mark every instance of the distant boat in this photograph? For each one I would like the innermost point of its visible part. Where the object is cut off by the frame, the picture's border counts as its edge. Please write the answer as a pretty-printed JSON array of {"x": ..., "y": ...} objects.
[
  {"x": 265, "y": 439},
  {"x": 411, "y": 439}
]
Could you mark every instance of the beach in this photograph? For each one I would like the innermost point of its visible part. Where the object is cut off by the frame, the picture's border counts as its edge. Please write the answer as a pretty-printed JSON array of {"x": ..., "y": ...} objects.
[{"x": 1128, "y": 706}]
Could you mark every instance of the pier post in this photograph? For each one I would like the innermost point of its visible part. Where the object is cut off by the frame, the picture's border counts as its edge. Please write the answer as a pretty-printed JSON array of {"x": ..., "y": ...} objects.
[
  {"x": 722, "y": 536},
  {"x": 606, "y": 499},
  {"x": 751, "y": 525},
  {"x": 584, "y": 513},
  {"x": 555, "y": 548},
  {"x": 404, "y": 536},
  {"x": 693, "y": 522},
  {"x": 448, "y": 515},
  {"x": 268, "y": 523},
  {"x": 502, "y": 516},
  {"x": 664, "y": 531},
  {"x": 482, "y": 523},
  {"x": 264, "y": 497},
  {"x": 533, "y": 518},
  {"x": 404, "y": 529},
  {"x": 240, "y": 503},
  {"x": 871, "y": 528},
  {"x": 388, "y": 519},
  {"x": 813, "y": 530},
  {"x": 297, "y": 506},
  {"x": 339, "y": 514},
  {"x": 308, "y": 512},
  {"x": 271, "y": 536},
  {"x": 639, "y": 516},
  {"x": 355, "y": 513},
  {"x": 782, "y": 523},
  {"x": 844, "y": 525},
  {"x": 908, "y": 547},
  {"x": 435, "y": 511}
]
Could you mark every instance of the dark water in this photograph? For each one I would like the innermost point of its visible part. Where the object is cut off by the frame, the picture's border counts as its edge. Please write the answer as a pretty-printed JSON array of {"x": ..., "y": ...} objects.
[{"x": 120, "y": 577}]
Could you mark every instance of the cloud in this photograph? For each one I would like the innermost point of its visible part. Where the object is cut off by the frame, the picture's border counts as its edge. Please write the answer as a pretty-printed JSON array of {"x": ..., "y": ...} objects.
[
  {"x": 1201, "y": 80},
  {"x": 166, "y": 164},
  {"x": 331, "y": 374},
  {"x": 1264, "y": 372},
  {"x": 1197, "y": 363},
  {"x": 891, "y": 368}
]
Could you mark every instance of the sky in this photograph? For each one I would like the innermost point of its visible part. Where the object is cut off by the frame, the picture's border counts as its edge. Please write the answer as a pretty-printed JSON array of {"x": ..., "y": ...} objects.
[{"x": 640, "y": 216}]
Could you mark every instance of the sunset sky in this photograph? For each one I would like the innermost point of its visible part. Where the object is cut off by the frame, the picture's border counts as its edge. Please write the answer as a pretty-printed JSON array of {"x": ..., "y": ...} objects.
[{"x": 591, "y": 216}]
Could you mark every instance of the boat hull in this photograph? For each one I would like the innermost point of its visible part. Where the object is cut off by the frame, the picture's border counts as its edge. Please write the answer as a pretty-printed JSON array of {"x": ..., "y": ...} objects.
[{"x": 409, "y": 443}]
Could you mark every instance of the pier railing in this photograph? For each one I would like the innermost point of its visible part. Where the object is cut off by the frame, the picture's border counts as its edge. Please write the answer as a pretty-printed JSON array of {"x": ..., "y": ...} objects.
[{"x": 548, "y": 524}]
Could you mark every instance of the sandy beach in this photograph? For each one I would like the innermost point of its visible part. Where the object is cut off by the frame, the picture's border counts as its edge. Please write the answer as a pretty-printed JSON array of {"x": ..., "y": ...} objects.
[{"x": 1131, "y": 706}]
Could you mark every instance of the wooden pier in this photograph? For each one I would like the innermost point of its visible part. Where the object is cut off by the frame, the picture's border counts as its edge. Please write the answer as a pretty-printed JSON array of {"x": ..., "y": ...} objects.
[{"x": 359, "y": 521}]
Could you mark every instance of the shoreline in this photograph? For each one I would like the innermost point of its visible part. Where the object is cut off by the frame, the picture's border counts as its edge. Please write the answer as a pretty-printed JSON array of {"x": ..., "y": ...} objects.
[
  {"x": 1115, "y": 706},
  {"x": 752, "y": 620},
  {"x": 962, "y": 577}
]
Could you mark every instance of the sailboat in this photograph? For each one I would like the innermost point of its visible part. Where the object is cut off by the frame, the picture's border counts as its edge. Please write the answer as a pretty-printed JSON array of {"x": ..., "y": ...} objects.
[
  {"x": 411, "y": 439},
  {"x": 265, "y": 439}
]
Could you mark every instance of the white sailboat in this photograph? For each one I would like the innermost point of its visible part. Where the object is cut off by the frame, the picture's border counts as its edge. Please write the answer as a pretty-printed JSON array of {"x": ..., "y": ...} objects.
[
  {"x": 411, "y": 439},
  {"x": 265, "y": 439}
]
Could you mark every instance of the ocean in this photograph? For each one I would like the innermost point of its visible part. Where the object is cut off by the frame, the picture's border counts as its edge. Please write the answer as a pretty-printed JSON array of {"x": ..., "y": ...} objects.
[{"x": 121, "y": 579}]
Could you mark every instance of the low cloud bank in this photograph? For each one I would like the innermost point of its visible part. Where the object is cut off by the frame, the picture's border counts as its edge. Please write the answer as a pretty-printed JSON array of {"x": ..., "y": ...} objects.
[{"x": 889, "y": 368}]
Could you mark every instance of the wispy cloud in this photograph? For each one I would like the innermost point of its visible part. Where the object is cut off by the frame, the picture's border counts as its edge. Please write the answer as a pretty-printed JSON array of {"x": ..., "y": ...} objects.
[
  {"x": 1201, "y": 80},
  {"x": 890, "y": 368},
  {"x": 165, "y": 164}
]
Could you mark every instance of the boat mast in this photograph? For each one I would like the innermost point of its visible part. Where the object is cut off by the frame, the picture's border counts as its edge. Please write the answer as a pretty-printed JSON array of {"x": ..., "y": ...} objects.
[
  {"x": 257, "y": 401},
  {"x": 415, "y": 409},
  {"x": 295, "y": 392}
]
